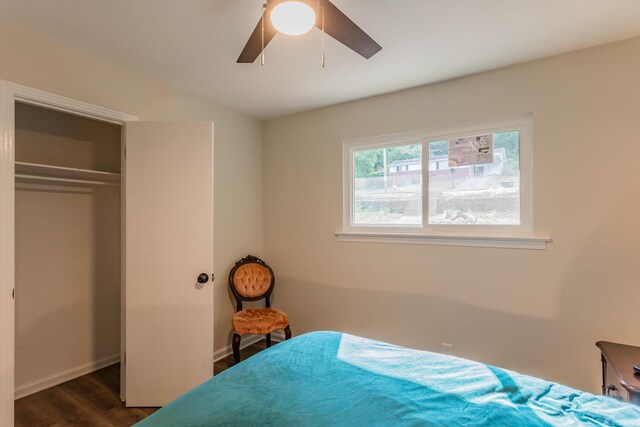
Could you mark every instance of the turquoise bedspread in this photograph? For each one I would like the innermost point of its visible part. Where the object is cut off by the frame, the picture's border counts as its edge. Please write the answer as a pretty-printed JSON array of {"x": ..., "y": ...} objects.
[{"x": 334, "y": 379}]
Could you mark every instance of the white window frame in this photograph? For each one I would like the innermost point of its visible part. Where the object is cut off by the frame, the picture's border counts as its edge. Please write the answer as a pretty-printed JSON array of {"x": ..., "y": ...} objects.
[{"x": 519, "y": 236}]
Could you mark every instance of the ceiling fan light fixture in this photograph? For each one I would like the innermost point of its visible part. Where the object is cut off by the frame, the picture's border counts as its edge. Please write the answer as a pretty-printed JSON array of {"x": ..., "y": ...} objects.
[{"x": 293, "y": 18}]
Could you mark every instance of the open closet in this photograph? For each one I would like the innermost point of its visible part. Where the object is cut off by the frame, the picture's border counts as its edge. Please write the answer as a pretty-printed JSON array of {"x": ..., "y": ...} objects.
[
  {"x": 106, "y": 249},
  {"x": 67, "y": 246}
]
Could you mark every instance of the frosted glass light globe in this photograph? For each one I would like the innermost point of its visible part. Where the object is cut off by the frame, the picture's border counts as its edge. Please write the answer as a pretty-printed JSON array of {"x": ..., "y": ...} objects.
[{"x": 293, "y": 18}]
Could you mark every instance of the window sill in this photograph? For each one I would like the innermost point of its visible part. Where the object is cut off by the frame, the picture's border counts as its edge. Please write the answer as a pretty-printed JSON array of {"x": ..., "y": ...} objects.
[{"x": 511, "y": 241}]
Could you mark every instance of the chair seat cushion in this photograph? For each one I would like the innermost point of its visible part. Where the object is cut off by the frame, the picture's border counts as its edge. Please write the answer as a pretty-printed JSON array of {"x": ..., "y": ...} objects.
[{"x": 259, "y": 321}]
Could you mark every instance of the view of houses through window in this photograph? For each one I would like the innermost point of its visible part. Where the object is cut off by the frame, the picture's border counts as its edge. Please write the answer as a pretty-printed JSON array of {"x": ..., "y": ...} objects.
[{"x": 388, "y": 185}]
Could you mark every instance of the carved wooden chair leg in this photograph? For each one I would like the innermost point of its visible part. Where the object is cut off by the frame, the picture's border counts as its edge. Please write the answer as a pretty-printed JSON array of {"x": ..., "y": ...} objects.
[
  {"x": 268, "y": 340},
  {"x": 236, "y": 347},
  {"x": 287, "y": 333}
]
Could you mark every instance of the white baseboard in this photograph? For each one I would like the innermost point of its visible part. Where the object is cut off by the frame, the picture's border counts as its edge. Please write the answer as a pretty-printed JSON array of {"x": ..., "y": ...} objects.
[
  {"x": 247, "y": 340},
  {"x": 65, "y": 376},
  {"x": 70, "y": 374}
]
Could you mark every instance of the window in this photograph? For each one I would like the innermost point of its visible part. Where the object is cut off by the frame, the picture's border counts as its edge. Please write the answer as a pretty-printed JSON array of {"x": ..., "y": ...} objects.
[
  {"x": 473, "y": 181},
  {"x": 486, "y": 193},
  {"x": 385, "y": 190}
]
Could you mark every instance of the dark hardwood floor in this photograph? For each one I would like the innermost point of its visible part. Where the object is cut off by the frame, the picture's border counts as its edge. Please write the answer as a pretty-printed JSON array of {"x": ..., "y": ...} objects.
[{"x": 93, "y": 400}]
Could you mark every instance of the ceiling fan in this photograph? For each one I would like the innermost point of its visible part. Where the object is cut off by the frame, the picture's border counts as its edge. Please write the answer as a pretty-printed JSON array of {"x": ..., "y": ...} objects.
[{"x": 300, "y": 16}]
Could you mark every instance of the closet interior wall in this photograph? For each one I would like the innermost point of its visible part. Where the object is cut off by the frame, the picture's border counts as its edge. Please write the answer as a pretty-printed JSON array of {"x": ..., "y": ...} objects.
[{"x": 67, "y": 250}]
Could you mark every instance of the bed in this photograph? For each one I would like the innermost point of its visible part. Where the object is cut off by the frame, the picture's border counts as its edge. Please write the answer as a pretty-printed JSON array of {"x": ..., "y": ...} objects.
[{"x": 331, "y": 378}]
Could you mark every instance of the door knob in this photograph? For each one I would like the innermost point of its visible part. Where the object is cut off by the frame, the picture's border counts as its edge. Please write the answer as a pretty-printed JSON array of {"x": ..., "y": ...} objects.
[{"x": 203, "y": 278}]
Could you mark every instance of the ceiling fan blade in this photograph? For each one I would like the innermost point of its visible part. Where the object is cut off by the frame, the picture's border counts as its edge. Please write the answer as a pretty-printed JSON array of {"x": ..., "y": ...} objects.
[
  {"x": 254, "y": 45},
  {"x": 343, "y": 29}
]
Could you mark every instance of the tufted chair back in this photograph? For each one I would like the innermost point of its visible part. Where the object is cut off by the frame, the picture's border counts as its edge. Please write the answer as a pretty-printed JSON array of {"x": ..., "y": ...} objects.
[{"x": 251, "y": 280}]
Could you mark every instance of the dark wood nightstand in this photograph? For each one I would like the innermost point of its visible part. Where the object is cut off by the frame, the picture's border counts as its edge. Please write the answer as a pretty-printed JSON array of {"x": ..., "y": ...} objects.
[{"x": 620, "y": 358}]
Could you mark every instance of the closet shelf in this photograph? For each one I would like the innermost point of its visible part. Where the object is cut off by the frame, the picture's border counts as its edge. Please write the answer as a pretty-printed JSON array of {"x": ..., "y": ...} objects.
[{"x": 35, "y": 172}]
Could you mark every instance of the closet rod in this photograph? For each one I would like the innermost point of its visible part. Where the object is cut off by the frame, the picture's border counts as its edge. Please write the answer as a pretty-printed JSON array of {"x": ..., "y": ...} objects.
[
  {"x": 64, "y": 180},
  {"x": 40, "y": 169}
]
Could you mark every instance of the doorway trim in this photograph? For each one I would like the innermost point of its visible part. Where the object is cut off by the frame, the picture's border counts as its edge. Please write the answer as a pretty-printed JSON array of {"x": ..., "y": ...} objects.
[{"x": 11, "y": 93}]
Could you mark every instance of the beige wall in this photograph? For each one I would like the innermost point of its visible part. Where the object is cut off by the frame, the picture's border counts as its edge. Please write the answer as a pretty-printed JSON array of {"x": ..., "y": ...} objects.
[
  {"x": 29, "y": 59},
  {"x": 67, "y": 280},
  {"x": 538, "y": 312}
]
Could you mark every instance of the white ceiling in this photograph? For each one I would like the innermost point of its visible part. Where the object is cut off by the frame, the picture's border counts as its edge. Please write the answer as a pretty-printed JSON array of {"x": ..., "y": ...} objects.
[{"x": 194, "y": 43}]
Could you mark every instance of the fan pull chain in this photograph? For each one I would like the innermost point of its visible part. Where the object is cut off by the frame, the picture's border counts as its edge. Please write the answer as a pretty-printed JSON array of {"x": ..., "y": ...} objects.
[
  {"x": 323, "y": 58},
  {"x": 264, "y": 7}
]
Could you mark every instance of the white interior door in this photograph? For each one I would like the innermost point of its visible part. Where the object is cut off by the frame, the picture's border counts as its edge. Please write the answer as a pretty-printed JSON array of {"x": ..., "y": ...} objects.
[{"x": 169, "y": 243}]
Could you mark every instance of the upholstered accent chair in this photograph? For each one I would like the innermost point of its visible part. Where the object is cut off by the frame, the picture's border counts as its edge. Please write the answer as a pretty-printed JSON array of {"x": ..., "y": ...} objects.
[{"x": 251, "y": 279}]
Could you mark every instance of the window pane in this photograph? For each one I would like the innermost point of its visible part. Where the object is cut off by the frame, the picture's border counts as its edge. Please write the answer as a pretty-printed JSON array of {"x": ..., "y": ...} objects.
[
  {"x": 388, "y": 186},
  {"x": 486, "y": 193}
]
